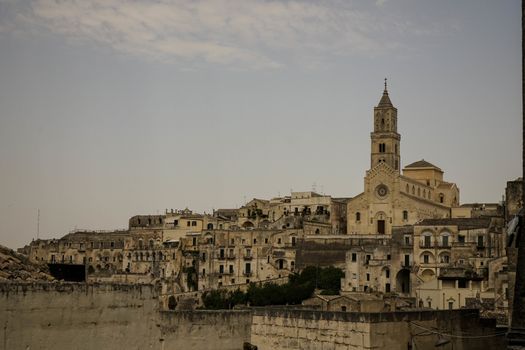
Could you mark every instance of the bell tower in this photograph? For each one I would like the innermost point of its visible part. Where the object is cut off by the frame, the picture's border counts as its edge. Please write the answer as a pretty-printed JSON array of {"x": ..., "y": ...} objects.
[{"x": 385, "y": 139}]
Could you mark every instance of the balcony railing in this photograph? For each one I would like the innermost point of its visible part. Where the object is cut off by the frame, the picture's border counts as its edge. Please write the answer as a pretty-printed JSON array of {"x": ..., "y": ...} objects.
[
  {"x": 248, "y": 257},
  {"x": 247, "y": 274}
]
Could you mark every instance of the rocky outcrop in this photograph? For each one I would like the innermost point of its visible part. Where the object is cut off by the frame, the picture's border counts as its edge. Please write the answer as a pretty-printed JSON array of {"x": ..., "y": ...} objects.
[{"x": 17, "y": 267}]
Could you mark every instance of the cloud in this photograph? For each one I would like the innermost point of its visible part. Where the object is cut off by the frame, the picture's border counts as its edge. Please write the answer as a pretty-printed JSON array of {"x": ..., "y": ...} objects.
[{"x": 245, "y": 34}]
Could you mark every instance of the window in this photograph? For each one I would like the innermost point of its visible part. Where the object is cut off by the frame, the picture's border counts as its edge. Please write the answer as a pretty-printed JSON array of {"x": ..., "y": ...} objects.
[
  {"x": 462, "y": 283},
  {"x": 293, "y": 241},
  {"x": 405, "y": 215},
  {"x": 194, "y": 241},
  {"x": 354, "y": 257},
  {"x": 343, "y": 308},
  {"x": 112, "y": 245},
  {"x": 194, "y": 223},
  {"x": 426, "y": 258},
  {"x": 357, "y": 216},
  {"x": 445, "y": 241},
  {"x": 407, "y": 240},
  {"x": 445, "y": 259},
  {"x": 255, "y": 241},
  {"x": 408, "y": 188},
  {"x": 151, "y": 244},
  {"x": 175, "y": 222},
  {"x": 278, "y": 241},
  {"x": 461, "y": 239},
  {"x": 188, "y": 223},
  {"x": 266, "y": 240},
  {"x": 427, "y": 241},
  {"x": 441, "y": 198},
  {"x": 387, "y": 288},
  {"x": 231, "y": 268},
  {"x": 248, "y": 268},
  {"x": 450, "y": 305},
  {"x": 367, "y": 258},
  {"x": 388, "y": 257},
  {"x": 232, "y": 241},
  {"x": 221, "y": 253},
  {"x": 368, "y": 277},
  {"x": 221, "y": 268},
  {"x": 387, "y": 273}
]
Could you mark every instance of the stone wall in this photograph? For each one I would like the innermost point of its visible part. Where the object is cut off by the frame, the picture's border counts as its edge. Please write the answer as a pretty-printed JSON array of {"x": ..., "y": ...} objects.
[
  {"x": 205, "y": 330},
  {"x": 303, "y": 329},
  {"x": 109, "y": 316}
]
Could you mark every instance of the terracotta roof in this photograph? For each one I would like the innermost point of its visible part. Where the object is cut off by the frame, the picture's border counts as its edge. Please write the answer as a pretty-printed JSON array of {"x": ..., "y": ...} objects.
[{"x": 422, "y": 164}]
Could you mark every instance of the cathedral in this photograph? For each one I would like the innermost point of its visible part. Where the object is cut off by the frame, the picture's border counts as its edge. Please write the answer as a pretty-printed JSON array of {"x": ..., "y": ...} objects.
[{"x": 390, "y": 198}]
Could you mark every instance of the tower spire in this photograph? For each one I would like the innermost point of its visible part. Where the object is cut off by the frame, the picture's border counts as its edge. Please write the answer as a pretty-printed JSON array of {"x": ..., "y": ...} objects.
[{"x": 385, "y": 99}]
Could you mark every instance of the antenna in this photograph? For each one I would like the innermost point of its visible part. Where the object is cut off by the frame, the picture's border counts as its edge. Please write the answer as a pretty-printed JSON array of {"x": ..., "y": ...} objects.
[{"x": 38, "y": 224}]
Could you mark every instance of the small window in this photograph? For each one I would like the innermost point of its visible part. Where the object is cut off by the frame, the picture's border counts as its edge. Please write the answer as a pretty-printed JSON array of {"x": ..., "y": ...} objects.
[
  {"x": 387, "y": 273},
  {"x": 255, "y": 241},
  {"x": 357, "y": 216},
  {"x": 278, "y": 241},
  {"x": 354, "y": 257},
  {"x": 266, "y": 241},
  {"x": 426, "y": 258},
  {"x": 388, "y": 257},
  {"x": 194, "y": 223},
  {"x": 188, "y": 223},
  {"x": 368, "y": 277},
  {"x": 405, "y": 215}
]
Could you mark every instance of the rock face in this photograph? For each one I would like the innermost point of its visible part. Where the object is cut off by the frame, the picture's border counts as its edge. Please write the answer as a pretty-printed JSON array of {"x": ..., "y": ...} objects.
[{"x": 17, "y": 267}]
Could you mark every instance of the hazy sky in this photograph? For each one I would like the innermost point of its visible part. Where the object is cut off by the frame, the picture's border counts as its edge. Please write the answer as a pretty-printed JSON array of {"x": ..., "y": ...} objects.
[{"x": 112, "y": 108}]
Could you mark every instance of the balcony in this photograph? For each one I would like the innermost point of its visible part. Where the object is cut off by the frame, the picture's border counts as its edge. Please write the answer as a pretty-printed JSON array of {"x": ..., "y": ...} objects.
[
  {"x": 248, "y": 257},
  {"x": 423, "y": 245},
  {"x": 247, "y": 273},
  {"x": 230, "y": 257}
]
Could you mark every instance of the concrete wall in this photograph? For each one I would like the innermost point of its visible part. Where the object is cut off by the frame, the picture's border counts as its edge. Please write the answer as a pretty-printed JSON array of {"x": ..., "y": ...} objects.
[
  {"x": 109, "y": 316},
  {"x": 303, "y": 329}
]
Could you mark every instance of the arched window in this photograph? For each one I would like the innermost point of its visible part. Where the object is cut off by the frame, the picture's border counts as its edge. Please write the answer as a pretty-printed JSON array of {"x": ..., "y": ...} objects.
[
  {"x": 210, "y": 226},
  {"x": 358, "y": 216}
]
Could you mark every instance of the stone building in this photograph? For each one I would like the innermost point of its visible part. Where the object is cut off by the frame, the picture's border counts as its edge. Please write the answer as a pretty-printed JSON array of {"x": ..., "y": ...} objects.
[
  {"x": 389, "y": 198},
  {"x": 226, "y": 258}
]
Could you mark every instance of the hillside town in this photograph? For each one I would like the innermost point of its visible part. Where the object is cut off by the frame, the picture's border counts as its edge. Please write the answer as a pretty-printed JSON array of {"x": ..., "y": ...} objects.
[{"x": 407, "y": 242}]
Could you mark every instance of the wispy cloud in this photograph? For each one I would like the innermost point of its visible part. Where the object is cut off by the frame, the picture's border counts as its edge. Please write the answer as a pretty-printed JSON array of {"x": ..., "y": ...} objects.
[{"x": 245, "y": 34}]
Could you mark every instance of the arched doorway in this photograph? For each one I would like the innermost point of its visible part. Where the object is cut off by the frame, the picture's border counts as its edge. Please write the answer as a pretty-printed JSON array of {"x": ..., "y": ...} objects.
[{"x": 403, "y": 281}]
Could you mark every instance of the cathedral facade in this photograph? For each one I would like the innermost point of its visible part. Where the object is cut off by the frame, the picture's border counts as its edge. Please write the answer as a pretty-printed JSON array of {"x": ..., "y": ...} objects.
[{"x": 393, "y": 199}]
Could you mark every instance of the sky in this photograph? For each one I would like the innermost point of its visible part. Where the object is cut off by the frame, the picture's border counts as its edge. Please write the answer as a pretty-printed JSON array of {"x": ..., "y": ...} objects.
[{"x": 112, "y": 108}]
